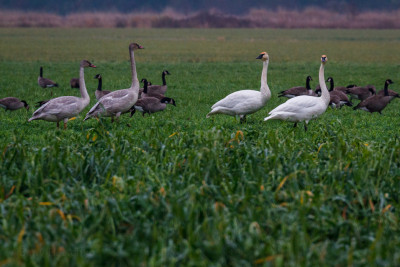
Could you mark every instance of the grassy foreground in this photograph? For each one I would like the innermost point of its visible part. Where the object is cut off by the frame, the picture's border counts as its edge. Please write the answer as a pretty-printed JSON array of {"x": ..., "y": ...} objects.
[{"x": 175, "y": 188}]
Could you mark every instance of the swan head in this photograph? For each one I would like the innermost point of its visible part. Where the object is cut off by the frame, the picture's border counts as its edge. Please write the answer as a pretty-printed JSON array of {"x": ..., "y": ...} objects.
[
  {"x": 85, "y": 63},
  {"x": 324, "y": 59},
  {"x": 135, "y": 46},
  {"x": 263, "y": 56},
  {"x": 25, "y": 104},
  {"x": 389, "y": 81},
  {"x": 97, "y": 76}
]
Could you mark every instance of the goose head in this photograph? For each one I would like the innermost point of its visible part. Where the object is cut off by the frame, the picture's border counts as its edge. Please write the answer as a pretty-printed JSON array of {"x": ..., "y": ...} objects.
[
  {"x": 372, "y": 90},
  {"x": 263, "y": 56},
  {"x": 168, "y": 100},
  {"x": 329, "y": 79},
  {"x": 309, "y": 78},
  {"x": 388, "y": 81},
  {"x": 144, "y": 81},
  {"x": 165, "y": 72},
  {"x": 25, "y": 104},
  {"x": 324, "y": 59},
  {"x": 97, "y": 76},
  {"x": 135, "y": 46},
  {"x": 86, "y": 63}
]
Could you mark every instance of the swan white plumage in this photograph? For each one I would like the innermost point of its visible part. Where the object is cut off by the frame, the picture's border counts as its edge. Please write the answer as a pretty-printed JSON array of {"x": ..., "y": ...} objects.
[
  {"x": 65, "y": 107},
  {"x": 245, "y": 102},
  {"x": 118, "y": 102},
  {"x": 303, "y": 108}
]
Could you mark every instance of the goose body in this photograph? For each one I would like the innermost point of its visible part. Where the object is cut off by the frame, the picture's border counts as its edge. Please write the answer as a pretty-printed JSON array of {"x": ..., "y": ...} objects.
[
  {"x": 376, "y": 103},
  {"x": 65, "y": 107},
  {"x": 74, "y": 83},
  {"x": 44, "y": 82},
  {"x": 361, "y": 92},
  {"x": 151, "y": 105},
  {"x": 120, "y": 101},
  {"x": 159, "y": 89},
  {"x": 244, "y": 102},
  {"x": 298, "y": 90},
  {"x": 147, "y": 93},
  {"x": 303, "y": 108},
  {"x": 13, "y": 103},
  {"x": 99, "y": 93},
  {"x": 337, "y": 97}
]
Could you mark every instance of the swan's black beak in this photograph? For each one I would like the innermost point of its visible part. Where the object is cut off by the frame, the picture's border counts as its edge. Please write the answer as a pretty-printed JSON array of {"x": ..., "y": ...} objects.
[{"x": 260, "y": 56}]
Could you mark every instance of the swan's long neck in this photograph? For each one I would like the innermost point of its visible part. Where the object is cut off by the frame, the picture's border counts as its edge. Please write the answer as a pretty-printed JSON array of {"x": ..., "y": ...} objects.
[
  {"x": 324, "y": 91},
  {"x": 135, "y": 81},
  {"x": 264, "y": 85},
  {"x": 164, "y": 82},
  {"x": 99, "y": 86},
  {"x": 82, "y": 85}
]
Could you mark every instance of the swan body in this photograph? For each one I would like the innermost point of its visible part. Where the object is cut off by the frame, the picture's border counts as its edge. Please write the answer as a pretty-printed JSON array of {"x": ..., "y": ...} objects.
[
  {"x": 303, "y": 108},
  {"x": 244, "y": 102},
  {"x": 65, "y": 107},
  {"x": 118, "y": 102}
]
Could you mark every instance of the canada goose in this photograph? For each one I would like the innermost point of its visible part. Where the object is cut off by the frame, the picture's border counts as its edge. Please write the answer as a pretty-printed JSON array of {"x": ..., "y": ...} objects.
[
  {"x": 146, "y": 92},
  {"x": 13, "y": 103},
  {"x": 376, "y": 103},
  {"x": 44, "y": 82},
  {"x": 99, "y": 93},
  {"x": 391, "y": 92},
  {"x": 304, "y": 107},
  {"x": 298, "y": 90},
  {"x": 244, "y": 102},
  {"x": 159, "y": 89},
  {"x": 361, "y": 92},
  {"x": 151, "y": 105},
  {"x": 65, "y": 107},
  {"x": 74, "y": 82},
  {"x": 338, "y": 98},
  {"x": 120, "y": 101}
]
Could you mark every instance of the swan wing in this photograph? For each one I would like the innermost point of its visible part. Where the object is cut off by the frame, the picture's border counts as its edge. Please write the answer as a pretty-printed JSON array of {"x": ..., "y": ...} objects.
[
  {"x": 297, "y": 104},
  {"x": 237, "y": 98},
  {"x": 65, "y": 105}
]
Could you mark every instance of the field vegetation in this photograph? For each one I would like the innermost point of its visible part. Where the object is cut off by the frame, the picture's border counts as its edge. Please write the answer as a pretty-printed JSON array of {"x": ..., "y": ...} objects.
[{"x": 175, "y": 188}]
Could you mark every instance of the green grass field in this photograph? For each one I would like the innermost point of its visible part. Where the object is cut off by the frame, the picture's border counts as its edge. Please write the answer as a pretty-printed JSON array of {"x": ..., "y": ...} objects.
[{"x": 175, "y": 188}]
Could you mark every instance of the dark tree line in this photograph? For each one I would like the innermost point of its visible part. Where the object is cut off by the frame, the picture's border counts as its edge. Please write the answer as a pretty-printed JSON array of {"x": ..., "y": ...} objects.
[{"x": 187, "y": 6}]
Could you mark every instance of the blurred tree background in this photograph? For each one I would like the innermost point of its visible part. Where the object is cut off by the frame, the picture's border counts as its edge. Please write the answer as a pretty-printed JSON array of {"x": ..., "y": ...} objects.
[{"x": 237, "y": 7}]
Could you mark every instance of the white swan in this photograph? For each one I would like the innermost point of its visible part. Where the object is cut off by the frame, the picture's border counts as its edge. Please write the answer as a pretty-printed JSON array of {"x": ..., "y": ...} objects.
[
  {"x": 303, "y": 108},
  {"x": 245, "y": 102},
  {"x": 118, "y": 102},
  {"x": 65, "y": 107}
]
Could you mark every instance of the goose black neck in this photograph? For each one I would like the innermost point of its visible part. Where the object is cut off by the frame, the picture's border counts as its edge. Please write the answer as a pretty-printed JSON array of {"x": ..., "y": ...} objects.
[
  {"x": 332, "y": 85},
  {"x": 386, "y": 89},
  {"x": 164, "y": 82},
  {"x": 308, "y": 84},
  {"x": 145, "y": 84},
  {"x": 99, "y": 86},
  {"x": 41, "y": 71}
]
